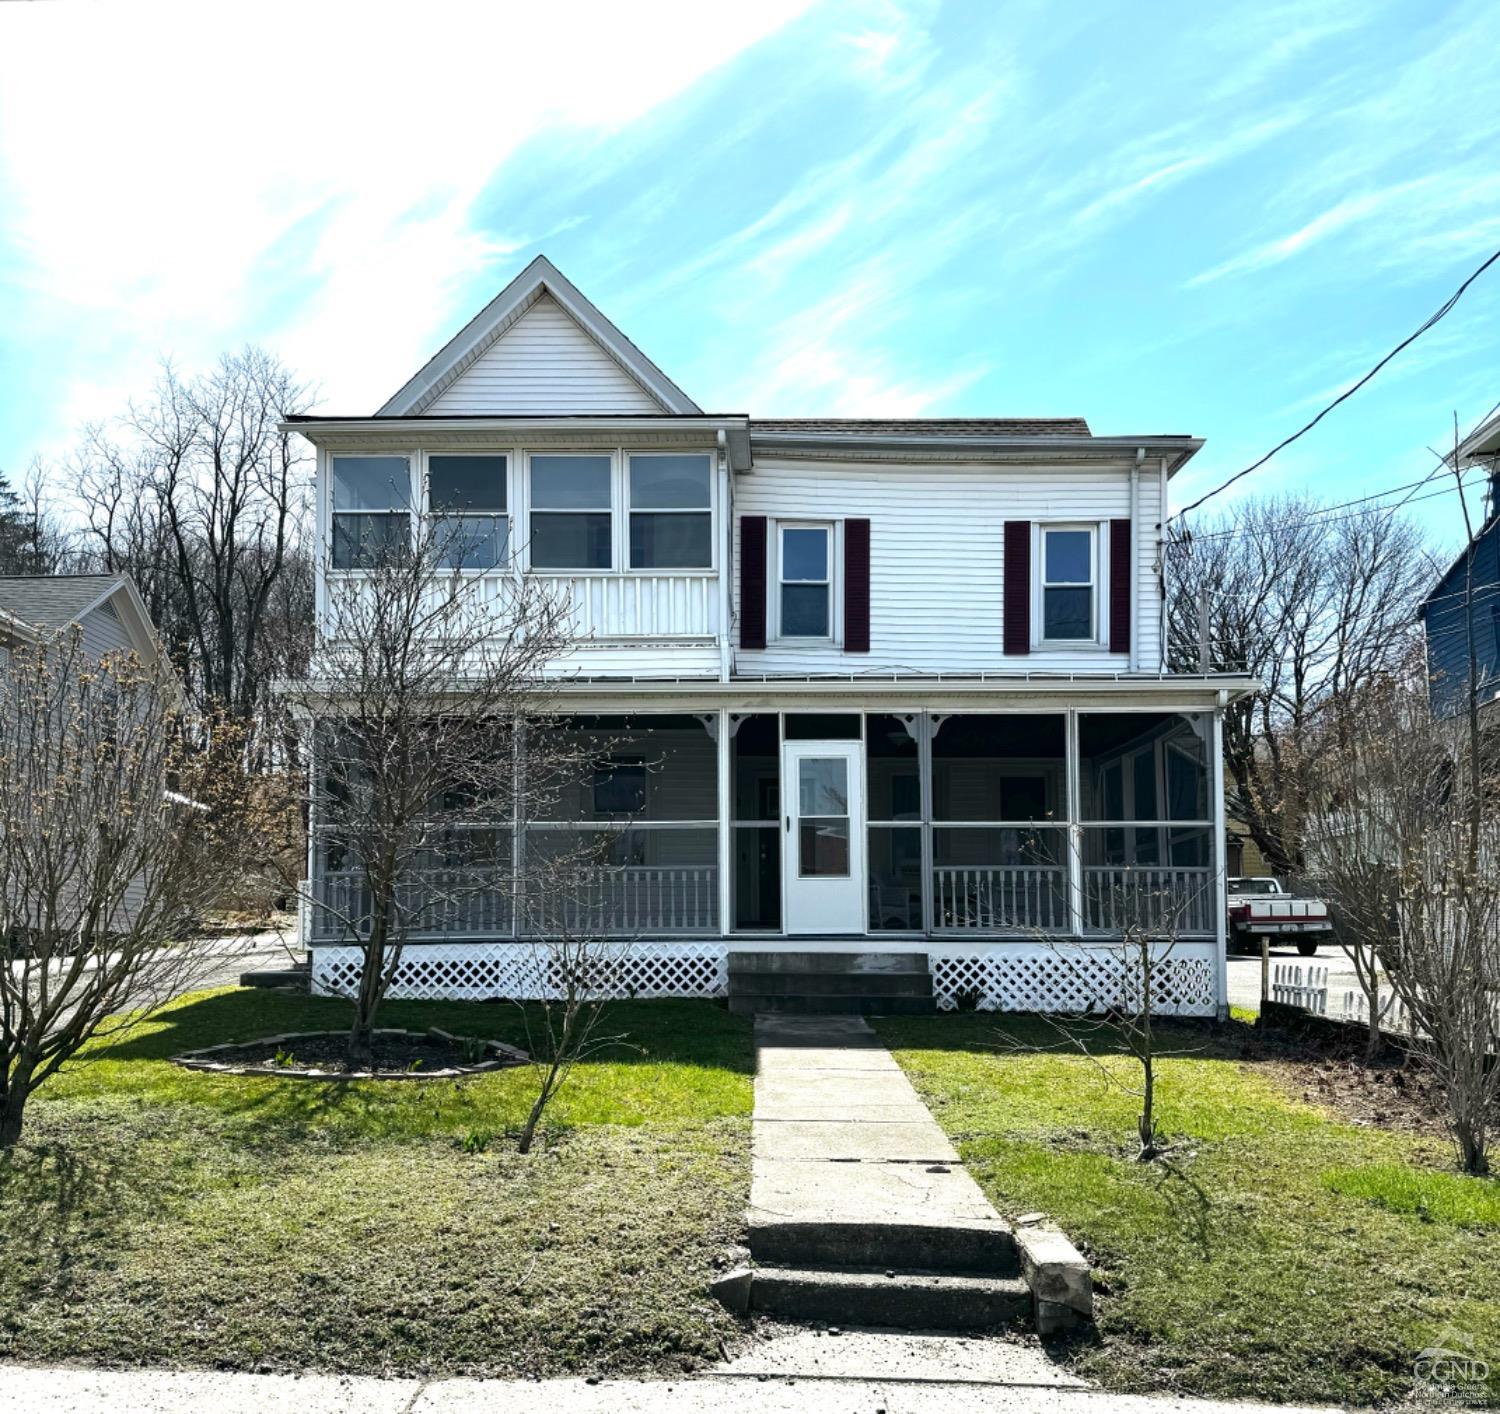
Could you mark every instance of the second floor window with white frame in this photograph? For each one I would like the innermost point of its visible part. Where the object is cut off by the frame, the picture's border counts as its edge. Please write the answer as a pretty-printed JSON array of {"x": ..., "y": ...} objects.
[
  {"x": 572, "y": 506},
  {"x": 671, "y": 517},
  {"x": 371, "y": 510},
  {"x": 1069, "y": 579},
  {"x": 805, "y": 561},
  {"x": 466, "y": 496}
]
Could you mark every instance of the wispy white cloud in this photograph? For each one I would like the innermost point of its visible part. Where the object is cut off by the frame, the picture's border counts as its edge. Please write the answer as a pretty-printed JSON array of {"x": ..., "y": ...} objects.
[
  {"x": 178, "y": 176},
  {"x": 1347, "y": 212}
]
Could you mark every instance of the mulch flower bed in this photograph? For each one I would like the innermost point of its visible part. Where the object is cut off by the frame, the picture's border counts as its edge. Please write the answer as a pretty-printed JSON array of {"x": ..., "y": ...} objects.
[{"x": 322, "y": 1055}]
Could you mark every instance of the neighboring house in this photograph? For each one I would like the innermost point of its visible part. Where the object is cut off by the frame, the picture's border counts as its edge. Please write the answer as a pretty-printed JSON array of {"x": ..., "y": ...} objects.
[
  {"x": 1245, "y": 861},
  {"x": 106, "y": 607},
  {"x": 1445, "y": 610},
  {"x": 900, "y": 679}
]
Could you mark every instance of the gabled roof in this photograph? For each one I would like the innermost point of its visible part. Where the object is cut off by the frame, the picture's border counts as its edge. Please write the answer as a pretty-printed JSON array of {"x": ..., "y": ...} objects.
[
  {"x": 34, "y": 604},
  {"x": 480, "y": 334}
]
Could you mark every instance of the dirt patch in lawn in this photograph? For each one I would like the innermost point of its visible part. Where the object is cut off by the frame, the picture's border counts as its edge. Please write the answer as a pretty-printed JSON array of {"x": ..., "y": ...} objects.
[
  {"x": 1388, "y": 1093},
  {"x": 323, "y": 1055}
]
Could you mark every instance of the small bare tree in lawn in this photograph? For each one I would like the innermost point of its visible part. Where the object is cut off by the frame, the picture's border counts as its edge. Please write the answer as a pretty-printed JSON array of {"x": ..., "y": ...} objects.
[
  {"x": 1149, "y": 920},
  {"x": 1409, "y": 842},
  {"x": 122, "y": 823},
  {"x": 418, "y": 688}
]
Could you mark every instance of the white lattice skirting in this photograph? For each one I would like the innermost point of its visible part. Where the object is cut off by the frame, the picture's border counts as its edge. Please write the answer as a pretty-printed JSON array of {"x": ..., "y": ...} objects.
[
  {"x": 1069, "y": 978},
  {"x": 525, "y": 972}
]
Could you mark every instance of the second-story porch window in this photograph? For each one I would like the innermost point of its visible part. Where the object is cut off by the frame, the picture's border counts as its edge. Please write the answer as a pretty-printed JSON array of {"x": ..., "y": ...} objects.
[
  {"x": 371, "y": 509},
  {"x": 572, "y": 512},
  {"x": 670, "y": 512},
  {"x": 467, "y": 498}
]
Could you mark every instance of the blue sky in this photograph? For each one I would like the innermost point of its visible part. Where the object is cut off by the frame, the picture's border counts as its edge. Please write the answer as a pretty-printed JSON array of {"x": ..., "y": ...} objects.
[{"x": 1163, "y": 217}]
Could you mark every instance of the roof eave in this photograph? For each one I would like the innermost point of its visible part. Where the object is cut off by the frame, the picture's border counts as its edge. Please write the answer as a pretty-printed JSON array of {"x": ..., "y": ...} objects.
[{"x": 1178, "y": 449}]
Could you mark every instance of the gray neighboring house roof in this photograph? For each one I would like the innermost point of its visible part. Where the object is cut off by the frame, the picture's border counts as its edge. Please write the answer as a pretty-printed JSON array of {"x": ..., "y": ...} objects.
[{"x": 37, "y": 604}]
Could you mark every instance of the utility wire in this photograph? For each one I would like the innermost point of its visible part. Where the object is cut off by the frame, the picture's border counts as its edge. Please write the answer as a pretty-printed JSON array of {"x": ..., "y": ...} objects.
[{"x": 1432, "y": 319}]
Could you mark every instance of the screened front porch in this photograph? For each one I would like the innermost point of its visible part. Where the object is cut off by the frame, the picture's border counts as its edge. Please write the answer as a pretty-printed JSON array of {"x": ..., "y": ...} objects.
[{"x": 917, "y": 824}]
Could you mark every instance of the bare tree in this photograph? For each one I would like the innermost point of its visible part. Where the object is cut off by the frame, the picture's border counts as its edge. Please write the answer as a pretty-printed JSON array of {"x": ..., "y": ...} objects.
[
  {"x": 1138, "y": 992},
  {"x": 120, "y": 827},
  {"x": 203, "y": 499},
  {"x": 1313, "y": 605},
  {"x": 1407, "y": 835},
  {"x": 433, "y": 749}
]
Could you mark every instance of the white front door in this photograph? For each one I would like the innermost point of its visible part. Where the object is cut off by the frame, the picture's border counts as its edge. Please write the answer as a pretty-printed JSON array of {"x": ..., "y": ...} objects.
[{"x": 823, "y": 859}]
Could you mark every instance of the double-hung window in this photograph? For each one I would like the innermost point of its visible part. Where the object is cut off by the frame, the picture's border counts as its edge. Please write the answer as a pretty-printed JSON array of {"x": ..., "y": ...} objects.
[
  {"x": 572, "y": 512},
  {"x": 1069, "y": 579},
  {"x": 671, "y": 522},
  {"x": 805, "y": 562},
  {"x": 467, "y": 498},
  {"x": 371, "y": 510}
]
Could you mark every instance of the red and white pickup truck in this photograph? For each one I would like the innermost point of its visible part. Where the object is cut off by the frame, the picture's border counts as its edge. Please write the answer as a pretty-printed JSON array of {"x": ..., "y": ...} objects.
[{"x": 1260, "y": 908}]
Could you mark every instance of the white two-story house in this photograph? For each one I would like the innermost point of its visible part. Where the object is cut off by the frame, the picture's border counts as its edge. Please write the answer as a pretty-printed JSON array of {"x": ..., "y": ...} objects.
[{"x": 900, "y": 682}]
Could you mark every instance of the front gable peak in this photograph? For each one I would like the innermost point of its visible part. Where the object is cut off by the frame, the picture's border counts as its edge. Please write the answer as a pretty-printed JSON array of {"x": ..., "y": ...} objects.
[{"x": 539, "y": 347}]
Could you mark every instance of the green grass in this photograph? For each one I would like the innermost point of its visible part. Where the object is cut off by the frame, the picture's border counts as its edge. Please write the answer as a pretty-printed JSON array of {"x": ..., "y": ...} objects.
[
  {"x": 1279, "y": 1254},
  {"x": 1452, "y": 1198},
  {"x": 154, "y": 1215}
]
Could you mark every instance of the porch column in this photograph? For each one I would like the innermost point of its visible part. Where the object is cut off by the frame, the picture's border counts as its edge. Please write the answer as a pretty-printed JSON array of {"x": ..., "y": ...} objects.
[
  {"x": 726, "y": 832},
  {"x": 1074, "y": 830},
  {"x": 1221, "y": 878}
]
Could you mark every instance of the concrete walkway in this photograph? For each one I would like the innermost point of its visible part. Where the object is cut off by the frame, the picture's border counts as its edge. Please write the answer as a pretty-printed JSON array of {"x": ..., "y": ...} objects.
[{"x": 840, "y": 1136}]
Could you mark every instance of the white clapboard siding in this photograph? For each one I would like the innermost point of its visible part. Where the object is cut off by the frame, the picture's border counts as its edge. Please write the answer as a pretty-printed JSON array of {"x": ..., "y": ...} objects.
[
  {"x": 544, "y": 363},
  {"x": 103, "y": 632},
  {"x": 936, "y": 551}
]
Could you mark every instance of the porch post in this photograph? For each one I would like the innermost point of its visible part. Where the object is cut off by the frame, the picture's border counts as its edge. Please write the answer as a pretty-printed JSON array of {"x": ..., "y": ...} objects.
[
  {"x": 924, "y": 784},
  {"x": 726, "y": 834},
  {"x": 1220, "y": 878},
  {"x": 1074, "y": 833}
]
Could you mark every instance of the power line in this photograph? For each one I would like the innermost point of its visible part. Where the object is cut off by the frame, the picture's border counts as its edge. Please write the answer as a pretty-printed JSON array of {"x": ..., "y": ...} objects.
[{"x": 1440, "y": 313}]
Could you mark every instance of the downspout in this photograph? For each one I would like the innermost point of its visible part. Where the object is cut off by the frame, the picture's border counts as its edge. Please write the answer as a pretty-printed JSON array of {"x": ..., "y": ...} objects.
[
  {"x": 1220, "y": 858},
  {"x": 726, "y": 547},
  {"x": 1161, "y": 569},
  {"x": 1135, "y": 560}
]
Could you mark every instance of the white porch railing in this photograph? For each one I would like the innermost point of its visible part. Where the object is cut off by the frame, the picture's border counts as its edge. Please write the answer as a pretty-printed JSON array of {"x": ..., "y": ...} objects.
[
  {"x": 625, "y": 902},
  {"x": 642, "y": 899},
  {"x": 681, "y": 605},
  {"x": 1000, "y": 897},
  {"x": 1175, "y": 900}
]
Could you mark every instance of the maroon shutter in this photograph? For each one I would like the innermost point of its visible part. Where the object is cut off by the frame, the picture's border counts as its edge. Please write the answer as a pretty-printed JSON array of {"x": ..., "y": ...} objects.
[
  {"x": 752, "y": 581},
  {"x": 1119, "y": 586},
  {"x": 856, "y": 586},
  {"x": 1017, "y": 587}
]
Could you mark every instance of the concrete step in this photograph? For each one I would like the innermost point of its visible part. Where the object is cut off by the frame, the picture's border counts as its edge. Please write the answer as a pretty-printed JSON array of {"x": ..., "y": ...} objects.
[
  {"x": 297, "y": 975},
  {"x": 861, "y": 962},
  {"x": 832, "y": 984},
  {"x": 951, "y": 1247},
  {"x": 748, "y": 1003},
  {"x": 907, "y": 1300}
]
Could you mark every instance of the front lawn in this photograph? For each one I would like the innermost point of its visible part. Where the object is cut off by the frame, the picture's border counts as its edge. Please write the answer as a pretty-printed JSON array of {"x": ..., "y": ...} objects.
[
  {"x": 154, "y": 1215},
  {"x": 1281, "y": 1253}
]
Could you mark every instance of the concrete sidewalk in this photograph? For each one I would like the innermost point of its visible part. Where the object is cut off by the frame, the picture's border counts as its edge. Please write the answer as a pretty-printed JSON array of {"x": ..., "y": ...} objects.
[{"x": 29, "y": 1390}]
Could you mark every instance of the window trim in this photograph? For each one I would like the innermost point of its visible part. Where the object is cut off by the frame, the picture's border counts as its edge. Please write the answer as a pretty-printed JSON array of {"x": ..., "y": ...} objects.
[
  {"x": 1099, "y": 568},
  {"x": 508, "y": 515},
  {"x": 711, "y": 510},
  {"x": 833, "y": 581},
  {"x": 614, "y": 457},
  {"x": 414, "y": 489}
]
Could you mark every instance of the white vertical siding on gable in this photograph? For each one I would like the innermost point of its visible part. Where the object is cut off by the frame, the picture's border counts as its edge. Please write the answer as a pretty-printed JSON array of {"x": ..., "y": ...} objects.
[
  {"x": 936, "y": 559},
  {"x": 544, "y": 363}
]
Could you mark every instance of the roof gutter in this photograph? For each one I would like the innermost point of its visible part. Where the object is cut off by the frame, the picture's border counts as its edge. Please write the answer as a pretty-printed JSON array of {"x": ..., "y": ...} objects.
[
  {"x": 312, "y": 427},
  {"x": 1182, "y": 447}
]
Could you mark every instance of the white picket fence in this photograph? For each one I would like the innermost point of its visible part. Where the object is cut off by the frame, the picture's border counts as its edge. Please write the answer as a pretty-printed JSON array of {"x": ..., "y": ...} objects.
[{"x": 1290, "y": 987}]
